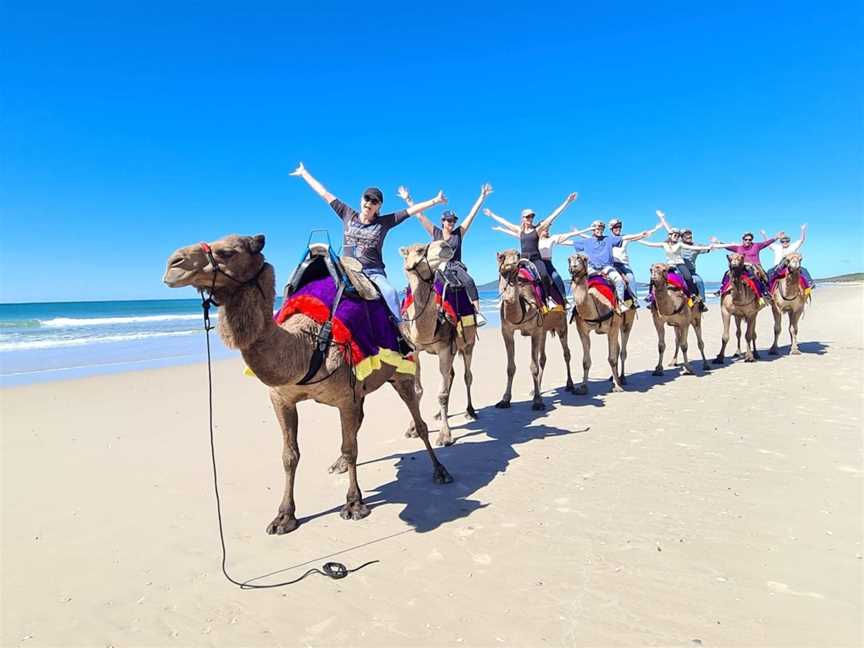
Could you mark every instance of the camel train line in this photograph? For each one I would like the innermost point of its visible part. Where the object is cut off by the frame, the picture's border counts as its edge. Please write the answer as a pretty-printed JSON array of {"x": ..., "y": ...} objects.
[{"x": 341, "y": 332}]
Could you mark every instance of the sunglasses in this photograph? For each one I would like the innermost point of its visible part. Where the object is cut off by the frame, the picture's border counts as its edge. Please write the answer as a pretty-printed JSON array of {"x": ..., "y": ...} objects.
[
  {"x": 372, "y": 199},
  {"x": 785, "y": 240},
  {"x": 448, "y": 220},
  {"x": 747, "y": 238}
]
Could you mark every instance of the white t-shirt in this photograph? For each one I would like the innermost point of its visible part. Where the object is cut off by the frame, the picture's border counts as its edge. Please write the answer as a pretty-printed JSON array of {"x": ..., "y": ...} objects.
[
  {"x": 780, "y": 252},
  {"x": 620, "y": 254},
  {"x": 546, "y": 244},
  {"x": 673, "y": 253}
]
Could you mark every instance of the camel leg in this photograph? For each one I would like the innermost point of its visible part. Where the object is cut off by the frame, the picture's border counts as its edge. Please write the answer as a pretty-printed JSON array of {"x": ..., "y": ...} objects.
[
  {"x": 626, "y": 327},
  {"x": 738, "y": 334},
  {"x": 794, "y": 315},
  {"x": 753, "y": 335},
  {"x": 565, "y": 347},
  {"x": 585, "y": 338},
  {"x": 751, "y": 324},
  {"x": 778, "y": 324},
  {"x": 405, "y": 389},
  {"x": 538, "y": 350},
  {"x": 286, "y": 414},
  {"x": 411, "y": 432},
  {"x": 697, "y": 327},
  {"x": 661, "y": 343},
  {"x": 445, "y": 365},
  {"x": 613, "y": 355},
  {"x": 725, "y": 315},
  {"x": 351, "y": 416},
  {"x": 467, "y": 354},
  {"x": 674, "y": 361},
  {"x": 511, "y": 367},
  {"x": 681, "y": 334}
]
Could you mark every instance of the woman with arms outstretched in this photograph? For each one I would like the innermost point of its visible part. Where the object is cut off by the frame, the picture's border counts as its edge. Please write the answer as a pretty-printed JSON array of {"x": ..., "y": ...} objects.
[
  {"x": 453, "y": 236},
  {"x": 529, "y": 242},
  {"x": 689, "y": 252},
  {"x": 784, "y": 246},
  {"x": 364, "y": 231}
]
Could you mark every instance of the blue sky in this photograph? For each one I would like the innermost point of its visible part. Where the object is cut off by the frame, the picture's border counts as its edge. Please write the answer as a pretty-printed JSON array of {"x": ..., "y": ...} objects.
[{"x": 128, "y": 131}]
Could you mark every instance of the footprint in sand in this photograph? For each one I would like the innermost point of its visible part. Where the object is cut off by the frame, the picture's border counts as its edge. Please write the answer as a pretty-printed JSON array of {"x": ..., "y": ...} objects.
[
  {"x": 482, "y": 559},
  {"x": 783, "y": 588}
]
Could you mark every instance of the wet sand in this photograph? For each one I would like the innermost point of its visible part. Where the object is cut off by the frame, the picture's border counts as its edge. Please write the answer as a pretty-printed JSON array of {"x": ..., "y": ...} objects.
[{"x": 722, "y": 509}]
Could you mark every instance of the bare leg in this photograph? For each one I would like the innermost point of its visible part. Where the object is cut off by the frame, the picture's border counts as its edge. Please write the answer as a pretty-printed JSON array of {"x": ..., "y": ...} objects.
[
  {"x": 445, "y": 365},
  {"x": 724, "y": 314},
  {"x": 585, "y": 338},
  {"x": 794, "y": 315},
  {"x": 538, "y": 350},
  {"x": 661, "y": 343},
  {"x": 511, "y": 367},
  {"x": 286, "y": 414},
  {"x": 467, "y": 354},
  {"x": 405, "y": 390}
]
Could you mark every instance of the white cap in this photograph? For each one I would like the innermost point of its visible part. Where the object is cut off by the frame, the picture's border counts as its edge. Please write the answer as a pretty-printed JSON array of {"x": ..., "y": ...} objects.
[
  {"x": 596, "y": 223},
  {"x": 614, "y": 222},
  {"x": 528, "y": 212}
]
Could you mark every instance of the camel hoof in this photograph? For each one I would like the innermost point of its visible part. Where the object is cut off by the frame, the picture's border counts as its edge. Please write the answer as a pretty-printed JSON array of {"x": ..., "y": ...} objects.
[
  {"x": 773, "y": 352},
  {"x": 354, "y": 511},
  {"x": 749, "y": 358},
  {"x": 441, "y": 476},
  {"x": 471, "y": 413},
  {"x": 538, "y": 405},
  {"x": 282, "y": 524},
  {"x": 339, "y": 466},
  {"x": 503, "y": 404},
  {"x": 570, "y": 388},
  {"x": 617, "y": 389},
  {"x": 437, "y": 416},
  {"x": 657, "y": 372},
  {"x": 795, "y": 351},
  {"x": 410, "y": 433},
  {"x": 687, "y": 371},
  {"x": 581, "y": 390},
  {"x": 444, "y": 440},
  {"x": 672, "y": 364},
  {"x": 717, "y": 361}
]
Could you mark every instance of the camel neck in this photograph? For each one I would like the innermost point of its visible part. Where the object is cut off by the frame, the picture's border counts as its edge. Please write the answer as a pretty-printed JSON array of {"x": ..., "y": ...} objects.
[
  {"x": 582, "y": 302},
  {"x": 423, "y": 315},
  {"x": 663, "y": 300}
]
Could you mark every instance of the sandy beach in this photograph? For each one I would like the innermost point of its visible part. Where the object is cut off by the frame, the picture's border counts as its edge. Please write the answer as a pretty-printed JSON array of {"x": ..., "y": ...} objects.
[{"x": 718, "y": 510}]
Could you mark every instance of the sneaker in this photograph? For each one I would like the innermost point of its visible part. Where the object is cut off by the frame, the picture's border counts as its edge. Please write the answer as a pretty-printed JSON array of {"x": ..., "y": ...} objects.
[{"x": 479, "y": 319}]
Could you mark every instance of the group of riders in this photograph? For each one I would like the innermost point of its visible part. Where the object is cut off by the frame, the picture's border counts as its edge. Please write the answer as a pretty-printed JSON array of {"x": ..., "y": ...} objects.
[{"x": 364, "y": 232}]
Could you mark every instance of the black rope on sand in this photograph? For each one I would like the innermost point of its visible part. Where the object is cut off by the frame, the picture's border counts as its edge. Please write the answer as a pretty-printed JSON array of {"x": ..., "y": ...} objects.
[{"x": 334, "y": 570}]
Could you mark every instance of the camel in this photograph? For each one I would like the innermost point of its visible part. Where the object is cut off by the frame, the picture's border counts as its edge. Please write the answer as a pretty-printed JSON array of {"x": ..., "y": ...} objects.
[
  {"x": 741, "y": 303},
  {"x": 788, "y": 297},
  {"x": 591, "y": 312},
  {"x": 427, "y": 333},
  {"x": 672, "y": 308},
  {"x": 234, "y": 271},
  {"x": 520, "y": 311}
]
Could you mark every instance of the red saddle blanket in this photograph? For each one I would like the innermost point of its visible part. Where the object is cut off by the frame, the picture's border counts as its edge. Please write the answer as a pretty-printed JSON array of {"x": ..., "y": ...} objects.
[
  {"x": 782, "y": 275},
  {"x": 603, "y": 286},
  {"x": 726, "y": 284}
]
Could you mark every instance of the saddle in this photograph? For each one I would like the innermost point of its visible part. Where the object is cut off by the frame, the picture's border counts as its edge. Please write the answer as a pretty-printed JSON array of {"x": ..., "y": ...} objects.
[
  {"x": 320, "y": 261},
  {"x": 781, "y": 274},
  {"x": 528, "y": 272},
  {"x": 750, "y": 276},
  {"x": 604, "y": 286}
]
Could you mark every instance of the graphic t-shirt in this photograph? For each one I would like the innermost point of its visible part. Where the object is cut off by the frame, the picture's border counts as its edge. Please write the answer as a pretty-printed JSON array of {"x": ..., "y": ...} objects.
[
  {"x": 455, "y": 240},
  {"x": 364, "y": 241}
]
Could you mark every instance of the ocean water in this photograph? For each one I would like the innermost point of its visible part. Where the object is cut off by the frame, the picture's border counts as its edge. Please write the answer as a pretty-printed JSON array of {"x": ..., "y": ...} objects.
[{"x": 60, "y": 340}]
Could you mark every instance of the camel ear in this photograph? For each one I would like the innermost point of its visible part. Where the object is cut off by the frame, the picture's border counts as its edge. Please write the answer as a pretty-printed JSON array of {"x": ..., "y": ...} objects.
[
  {"x": 500, "y": 256},
  {"x": 404, "y": 252},
  {"x": 255, "y": 243}
]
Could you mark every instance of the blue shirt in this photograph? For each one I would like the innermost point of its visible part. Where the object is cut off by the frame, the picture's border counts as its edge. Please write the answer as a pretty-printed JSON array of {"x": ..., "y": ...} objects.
[{"x": 598, "y": 251}]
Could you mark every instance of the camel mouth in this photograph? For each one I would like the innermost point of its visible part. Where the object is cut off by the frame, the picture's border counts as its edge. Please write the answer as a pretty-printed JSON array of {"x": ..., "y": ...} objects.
[{"x": 178, "y": 277}]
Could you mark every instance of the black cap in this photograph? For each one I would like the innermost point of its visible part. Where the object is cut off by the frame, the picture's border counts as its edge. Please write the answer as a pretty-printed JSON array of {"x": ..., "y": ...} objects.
[
  {"x": 448, "y": 214},
  {"x": 374, "y": 192}
]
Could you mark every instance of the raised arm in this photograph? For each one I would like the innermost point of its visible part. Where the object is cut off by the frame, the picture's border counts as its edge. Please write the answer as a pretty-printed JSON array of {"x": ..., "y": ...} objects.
[
  {"x": 547, "y": 222},
  {"x": 763, "y": 244},
  {"x": 716, "y": 244},
  {"x": 510, "y": 226},
  {"x": 506, "y": 231},
  {"x": 403, "y": 193},
  {"x": 416, "y": 208},
  {"x": 650, "y": 243},
  {"x": 701, "y": 248},
  {"x": 764, "y": 234},
  {"x": 662, "y": 217},
  {"x": 803, "y": 234},
  {"x": 317, "y": 187},
  {"x": 485, "y": 190},
  {"x": 640, "y": 235},
  {"x": 564, "y": 239}
]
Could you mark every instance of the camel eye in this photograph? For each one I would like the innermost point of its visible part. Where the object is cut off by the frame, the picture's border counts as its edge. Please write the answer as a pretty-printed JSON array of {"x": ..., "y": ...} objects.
[{"x": 225, "y": 253}]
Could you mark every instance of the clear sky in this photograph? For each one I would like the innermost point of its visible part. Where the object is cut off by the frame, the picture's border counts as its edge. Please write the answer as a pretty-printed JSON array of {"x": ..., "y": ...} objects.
[{"x": 130, "y": 129}]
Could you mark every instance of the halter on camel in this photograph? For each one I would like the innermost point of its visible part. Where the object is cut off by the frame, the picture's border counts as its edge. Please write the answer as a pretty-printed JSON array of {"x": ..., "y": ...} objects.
[
  {"x": 512, "y": 279},
  {"x": 578, "y": 275}
]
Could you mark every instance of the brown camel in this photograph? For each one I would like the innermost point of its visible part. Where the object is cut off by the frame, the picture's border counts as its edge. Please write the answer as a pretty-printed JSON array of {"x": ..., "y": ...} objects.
[
  {"x": 427, "y": 333},
  {"x": 788, "y": 297},
  {"x": 591, "y": 312},
  {"x": 520, "y": 311},
  {"x": 243, "y": 284},
  {"x": 672, "y": 308},
  {"x": 743, "y": 304}
]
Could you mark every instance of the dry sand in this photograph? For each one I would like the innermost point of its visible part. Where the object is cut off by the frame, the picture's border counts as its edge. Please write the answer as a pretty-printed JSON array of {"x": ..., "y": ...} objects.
[{"x": 723, "y": 509}]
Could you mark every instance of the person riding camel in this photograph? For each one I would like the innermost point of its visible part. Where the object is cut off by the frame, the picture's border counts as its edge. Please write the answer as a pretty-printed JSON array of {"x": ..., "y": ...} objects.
[
  {"x": 781, "y": 248},
  {"x": 454, "y": 236},
  {"x": 364, "y": 231},
  {"x": 750, "y": 251},
  {"x": 689, "y": 252},
  {"x": 530, "y": 245},
  {"x": 598, "y": 248}
]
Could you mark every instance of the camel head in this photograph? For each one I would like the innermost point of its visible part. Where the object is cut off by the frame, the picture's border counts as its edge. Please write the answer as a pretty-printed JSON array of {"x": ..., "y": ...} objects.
[
  {"x": 417, "y": 257},
  {"x": 793, "y": 261},
  {"x": 508, "y": 262},
  {"x": 238, "y": 260},
  {"x": 736, "y": 263},
  {"x": 578, "y": 264},
  {"x": 659, "y": 271}
]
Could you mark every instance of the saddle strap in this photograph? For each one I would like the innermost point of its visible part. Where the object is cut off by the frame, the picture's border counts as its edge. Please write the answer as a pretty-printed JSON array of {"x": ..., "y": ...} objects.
[{"x": 324, "y": 339}]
